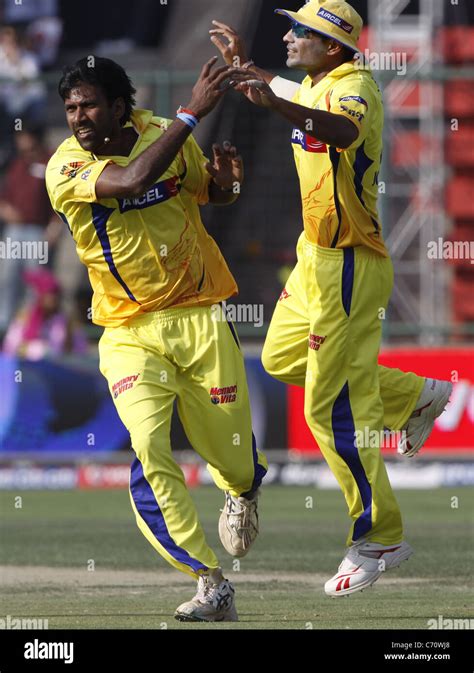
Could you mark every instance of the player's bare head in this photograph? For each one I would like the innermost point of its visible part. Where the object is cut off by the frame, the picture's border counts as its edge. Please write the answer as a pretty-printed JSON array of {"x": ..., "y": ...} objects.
[
  {"x": 311, "y": 51},
  {"x": 98, "y": 98}
]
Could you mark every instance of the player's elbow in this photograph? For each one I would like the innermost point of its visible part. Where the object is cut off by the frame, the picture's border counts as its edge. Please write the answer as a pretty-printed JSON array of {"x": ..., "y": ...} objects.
[
  {"x": 136, "y": 189},
  {"x": 347, "y": 134}
]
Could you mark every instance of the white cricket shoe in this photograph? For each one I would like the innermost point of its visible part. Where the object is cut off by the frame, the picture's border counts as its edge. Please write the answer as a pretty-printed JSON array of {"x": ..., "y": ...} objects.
[
  {"x": 213, "y": 602},
  {"x": 363, "y": 564},
  {"x": 238, "y": 524},
  {"x": 431, "y": 404}
]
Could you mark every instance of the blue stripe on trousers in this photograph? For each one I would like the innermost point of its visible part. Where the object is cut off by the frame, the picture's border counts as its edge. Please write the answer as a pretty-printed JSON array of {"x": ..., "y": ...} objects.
[
  {"x": 343, "y": 422},
  {"x": 347, "y": 279},
  {"x": 344, "y": 440},
  {"x": 259, "y": 470},
  {"x": 149, "y": 510}
]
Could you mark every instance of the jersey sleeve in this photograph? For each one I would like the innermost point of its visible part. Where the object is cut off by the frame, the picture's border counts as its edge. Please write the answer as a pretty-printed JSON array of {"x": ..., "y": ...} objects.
[
  {"x": 72, "y": 178},
  {"x": 284, "y": 88},
  {"x": 353, "y": 100},
  {"x": 196, "y": 180}
]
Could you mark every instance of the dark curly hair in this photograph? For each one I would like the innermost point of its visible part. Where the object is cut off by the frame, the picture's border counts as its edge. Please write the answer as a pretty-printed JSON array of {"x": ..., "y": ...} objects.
[{"x": 102, "y": 72}]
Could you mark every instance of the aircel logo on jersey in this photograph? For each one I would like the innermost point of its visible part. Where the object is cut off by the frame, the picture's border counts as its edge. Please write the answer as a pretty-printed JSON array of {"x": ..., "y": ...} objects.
[
  {"x": 284, "y": 294},
  {"x": 324, "y": 14},
  {"x": 307, "y": 142},
  {"x": 123, "y": 385},
  {"x": 160, "y": 192},
  {"x": 223, "y": 395},
  {"x": 315, "y": 341}
]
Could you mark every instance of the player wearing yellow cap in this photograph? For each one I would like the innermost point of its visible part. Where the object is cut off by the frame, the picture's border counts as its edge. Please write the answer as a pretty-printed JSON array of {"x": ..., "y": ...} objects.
[
  {"x": 129, "y": 186},
  {"x": 325, "y": 332}
]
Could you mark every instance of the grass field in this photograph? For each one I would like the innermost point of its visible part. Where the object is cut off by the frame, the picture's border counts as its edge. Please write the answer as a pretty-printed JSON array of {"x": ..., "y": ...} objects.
[{"x": 47, "y": 544}]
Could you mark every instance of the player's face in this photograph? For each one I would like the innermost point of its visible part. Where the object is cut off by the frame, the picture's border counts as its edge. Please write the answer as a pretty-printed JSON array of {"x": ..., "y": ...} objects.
[
  {"x": 90, "y": 116},
  {"x": 305, "y": 53}
]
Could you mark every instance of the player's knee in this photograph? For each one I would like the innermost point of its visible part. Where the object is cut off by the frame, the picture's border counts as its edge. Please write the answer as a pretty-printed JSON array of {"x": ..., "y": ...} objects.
[{"x": 314, "y": 419}]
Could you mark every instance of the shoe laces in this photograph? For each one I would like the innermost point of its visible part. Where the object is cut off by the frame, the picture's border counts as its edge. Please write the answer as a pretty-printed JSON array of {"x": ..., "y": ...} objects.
[
  {"x": 205, "y": 589},
  {"x": 237, "y": 508}
]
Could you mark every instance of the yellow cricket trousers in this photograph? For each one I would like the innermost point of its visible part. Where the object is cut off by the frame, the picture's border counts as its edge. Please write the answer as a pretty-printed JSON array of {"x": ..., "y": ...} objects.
[
  {"x": 325, "y": 336},
  {"x": 191, "y": 355}
]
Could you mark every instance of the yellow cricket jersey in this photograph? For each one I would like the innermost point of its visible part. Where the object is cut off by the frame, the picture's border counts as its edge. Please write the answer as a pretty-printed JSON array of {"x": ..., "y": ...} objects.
[
  {"x": 339, "y": 187},
  {"x": 142, "y": 254}
]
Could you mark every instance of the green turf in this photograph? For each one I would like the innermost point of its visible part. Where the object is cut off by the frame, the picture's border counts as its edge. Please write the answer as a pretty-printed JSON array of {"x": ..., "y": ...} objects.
[{"x": 66, "y": 529}]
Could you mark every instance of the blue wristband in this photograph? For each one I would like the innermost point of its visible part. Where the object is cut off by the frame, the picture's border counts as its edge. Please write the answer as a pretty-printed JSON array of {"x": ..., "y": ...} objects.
[{"x": 188, "y": 119}]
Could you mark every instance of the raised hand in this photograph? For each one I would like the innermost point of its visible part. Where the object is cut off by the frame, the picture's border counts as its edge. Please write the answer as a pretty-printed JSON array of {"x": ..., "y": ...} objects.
[
  {"x": 210, "y": 87},
  {"x": 227, "y": 168},
  {"x": 233, "y": 51},
  {"x": 256, "y": 90}
]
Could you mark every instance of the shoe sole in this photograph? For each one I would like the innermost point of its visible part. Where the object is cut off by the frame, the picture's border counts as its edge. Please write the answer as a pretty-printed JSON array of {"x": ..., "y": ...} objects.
[
  {"x": 432, "y": 414},
  {"x": 403, "y": 555},
  {"x": 231, "y": 616}
]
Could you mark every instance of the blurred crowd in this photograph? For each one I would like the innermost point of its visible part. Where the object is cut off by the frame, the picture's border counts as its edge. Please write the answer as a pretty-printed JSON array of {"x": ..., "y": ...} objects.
[
  {"x": 44, "y": 304},
  {"x": 33, "y": 322}
]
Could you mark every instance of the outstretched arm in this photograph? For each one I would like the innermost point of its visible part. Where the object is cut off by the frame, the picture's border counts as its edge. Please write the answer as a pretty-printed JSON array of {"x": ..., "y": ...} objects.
[
  {"x": 141, "y": 173},
  {"x": 332, "y": 129}
]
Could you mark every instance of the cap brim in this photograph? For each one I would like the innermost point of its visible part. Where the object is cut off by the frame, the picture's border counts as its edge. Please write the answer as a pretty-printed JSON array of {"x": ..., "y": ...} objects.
[{"x": 294, "y": 17}]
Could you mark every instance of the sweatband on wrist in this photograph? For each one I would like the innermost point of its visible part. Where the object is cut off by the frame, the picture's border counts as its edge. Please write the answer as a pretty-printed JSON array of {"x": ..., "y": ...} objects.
[{"x": 188, "y": 119}]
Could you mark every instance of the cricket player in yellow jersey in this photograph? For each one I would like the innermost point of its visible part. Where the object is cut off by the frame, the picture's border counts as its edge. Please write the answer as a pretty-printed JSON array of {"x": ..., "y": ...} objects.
[
  {"x": 129, "y": 186},
  {"x": 325, "y": 332}
]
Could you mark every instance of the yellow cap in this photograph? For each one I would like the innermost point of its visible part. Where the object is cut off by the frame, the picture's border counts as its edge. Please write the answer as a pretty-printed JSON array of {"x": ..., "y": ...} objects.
[{"x": 332, "y": 18}]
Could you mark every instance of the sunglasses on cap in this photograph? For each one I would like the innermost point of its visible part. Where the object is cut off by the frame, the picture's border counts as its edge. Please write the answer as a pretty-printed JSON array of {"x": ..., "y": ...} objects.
[{"x": 301, "y": 31}]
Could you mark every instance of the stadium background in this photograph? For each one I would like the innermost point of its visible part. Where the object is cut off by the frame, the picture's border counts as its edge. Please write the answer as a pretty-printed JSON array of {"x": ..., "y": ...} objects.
[{"x": 64, "y": 455}]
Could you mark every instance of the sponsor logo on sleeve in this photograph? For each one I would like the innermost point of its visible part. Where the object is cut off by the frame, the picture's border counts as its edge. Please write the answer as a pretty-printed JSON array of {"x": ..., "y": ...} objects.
[
  {"x": 71, "y": 170},
  {"x": 86, "y": 174},
  {"x": 359, "y": 99},
  {"x": 353, "y": 113}
]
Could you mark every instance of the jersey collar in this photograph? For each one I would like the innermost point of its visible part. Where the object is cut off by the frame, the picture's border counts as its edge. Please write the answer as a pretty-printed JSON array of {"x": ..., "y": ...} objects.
[{"x": 341, "y": 71}]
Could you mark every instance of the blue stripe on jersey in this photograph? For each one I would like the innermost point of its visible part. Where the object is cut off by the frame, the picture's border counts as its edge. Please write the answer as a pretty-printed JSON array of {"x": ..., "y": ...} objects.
[
  {"x": 148, "y": 508},
  {"x": 361, "y": 165},
  {"x": 335, "y": 156},
  {"x": 64, "y": 219},
  {"x": 100, "y": 216},
  {"x": 345, "y": 444},
  {"x": 347, "y": 279}
]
